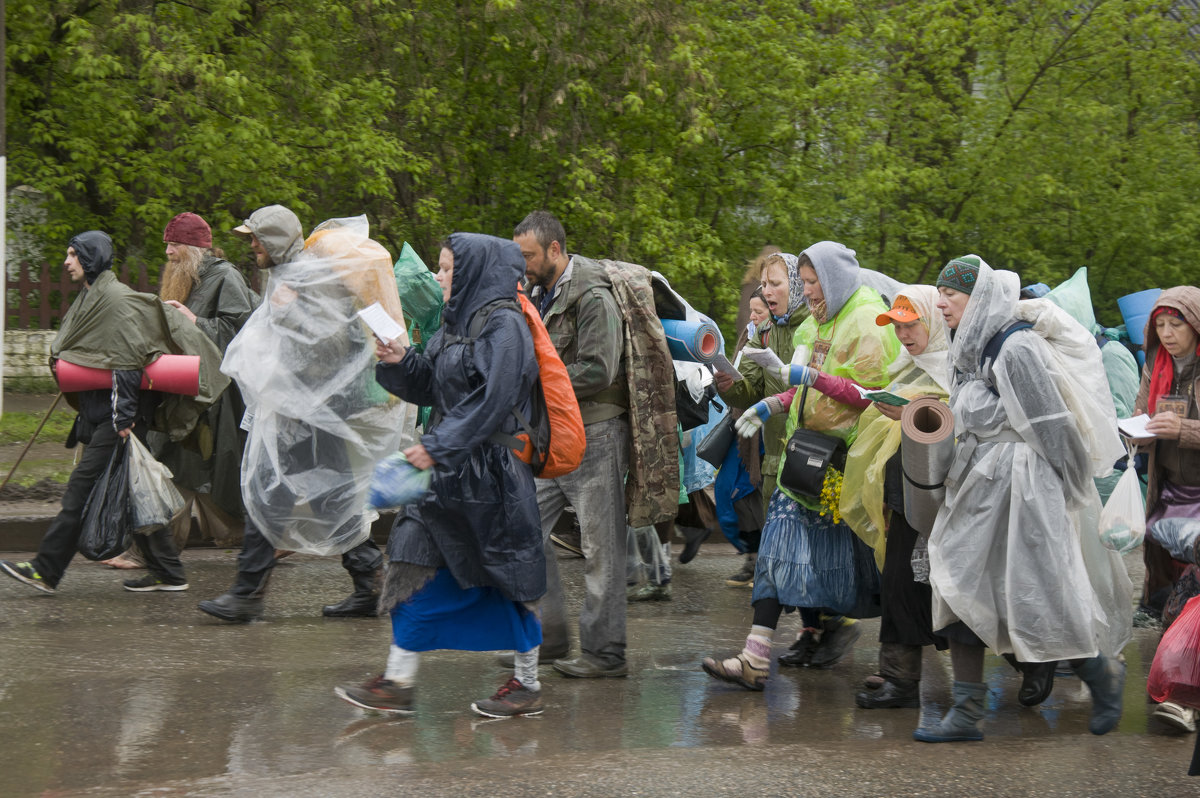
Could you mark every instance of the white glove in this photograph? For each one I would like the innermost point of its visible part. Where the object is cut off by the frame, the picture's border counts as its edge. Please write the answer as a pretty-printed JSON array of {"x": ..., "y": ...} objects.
[{"x": 750, "y": 422}]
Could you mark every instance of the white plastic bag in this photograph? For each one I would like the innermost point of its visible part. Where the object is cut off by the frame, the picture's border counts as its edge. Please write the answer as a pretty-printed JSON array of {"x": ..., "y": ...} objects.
[
  {"x": 1123, "y": 519},
  {"x": 153, "y": 498}
]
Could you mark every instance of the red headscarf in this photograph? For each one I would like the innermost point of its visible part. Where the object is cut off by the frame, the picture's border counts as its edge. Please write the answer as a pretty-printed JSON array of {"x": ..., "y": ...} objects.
[{"x": 1162, "y": 375}]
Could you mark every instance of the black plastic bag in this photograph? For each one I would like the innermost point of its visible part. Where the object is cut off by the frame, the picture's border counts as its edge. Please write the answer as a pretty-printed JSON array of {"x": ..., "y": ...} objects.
[{"x": 106, "y": 520}]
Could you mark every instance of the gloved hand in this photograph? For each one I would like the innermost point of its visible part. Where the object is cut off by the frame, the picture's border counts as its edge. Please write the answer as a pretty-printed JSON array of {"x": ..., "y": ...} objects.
[
  {"x": 750, "y": 422},
  {"x": 798, "y": 375}
]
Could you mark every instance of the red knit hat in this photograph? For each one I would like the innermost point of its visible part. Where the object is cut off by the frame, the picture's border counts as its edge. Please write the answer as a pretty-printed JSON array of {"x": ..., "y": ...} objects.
[{"x": 188, "y": 228}]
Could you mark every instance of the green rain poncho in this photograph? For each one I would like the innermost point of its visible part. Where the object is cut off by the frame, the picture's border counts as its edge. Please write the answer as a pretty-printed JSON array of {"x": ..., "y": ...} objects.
[{"x": 111, "y": 326}]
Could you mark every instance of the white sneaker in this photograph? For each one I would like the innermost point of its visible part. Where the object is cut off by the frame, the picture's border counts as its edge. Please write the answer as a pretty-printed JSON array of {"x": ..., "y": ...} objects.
[{"x": 1176, "y": 716}]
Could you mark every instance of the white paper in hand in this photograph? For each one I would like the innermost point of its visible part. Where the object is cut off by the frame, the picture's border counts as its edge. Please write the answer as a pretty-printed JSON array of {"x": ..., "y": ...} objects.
[
  {"x": 1135, "y": 427},
  {"x": 763, "y": 357},
  {"x": 386, "y": 328}
]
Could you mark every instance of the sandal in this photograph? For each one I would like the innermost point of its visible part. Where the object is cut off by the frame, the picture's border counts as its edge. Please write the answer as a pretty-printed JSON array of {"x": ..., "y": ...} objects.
[
  {"x": 742, "y": 672},
  {"x": 122, "y": 563},
  {"x": 874, "y": 681}
]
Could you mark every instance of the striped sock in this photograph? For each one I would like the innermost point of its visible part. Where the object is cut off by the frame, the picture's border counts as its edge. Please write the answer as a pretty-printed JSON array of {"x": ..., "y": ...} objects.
[{"x": 758, "y": 646}]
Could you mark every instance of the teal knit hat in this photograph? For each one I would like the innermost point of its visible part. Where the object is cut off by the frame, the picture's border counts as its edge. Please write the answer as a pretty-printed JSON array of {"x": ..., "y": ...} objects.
[{"x": 960, "y": 274}]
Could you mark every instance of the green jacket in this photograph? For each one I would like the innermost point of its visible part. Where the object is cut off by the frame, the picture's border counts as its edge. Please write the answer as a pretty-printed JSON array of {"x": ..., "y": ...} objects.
[
  {"x": 111, "y": 326},
  {"x": 586, "y": 327},
  {"x": 758, "y": 384}
]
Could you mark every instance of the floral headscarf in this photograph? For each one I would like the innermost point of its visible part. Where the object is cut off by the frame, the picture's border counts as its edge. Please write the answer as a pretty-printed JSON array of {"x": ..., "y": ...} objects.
[{"x": 795, "y": 284}]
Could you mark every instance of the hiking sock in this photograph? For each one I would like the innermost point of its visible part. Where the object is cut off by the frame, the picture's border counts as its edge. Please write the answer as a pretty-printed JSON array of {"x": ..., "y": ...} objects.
[
  {"x": 525, "y": 665},
  {"x": 402, "y": 665},
  {"x": 758, "y": 646}
]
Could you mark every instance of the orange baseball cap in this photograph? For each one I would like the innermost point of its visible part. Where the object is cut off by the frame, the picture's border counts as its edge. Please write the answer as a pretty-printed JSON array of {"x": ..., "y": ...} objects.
[{"x": 902, "y": 311}]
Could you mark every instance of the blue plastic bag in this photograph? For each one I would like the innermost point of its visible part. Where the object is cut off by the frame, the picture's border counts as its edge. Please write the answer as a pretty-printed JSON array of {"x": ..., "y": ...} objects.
[{"x": 396, "y": 482}]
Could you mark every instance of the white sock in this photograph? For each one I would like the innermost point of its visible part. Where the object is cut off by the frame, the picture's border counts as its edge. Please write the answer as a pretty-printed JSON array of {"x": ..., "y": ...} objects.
[
  {"x": 402, "y": 665},
  {"x": 525, "y": 664}
]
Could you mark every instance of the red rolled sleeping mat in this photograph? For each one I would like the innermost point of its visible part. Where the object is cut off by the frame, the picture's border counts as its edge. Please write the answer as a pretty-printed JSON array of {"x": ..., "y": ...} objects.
[{"x": 169, "y": 373}]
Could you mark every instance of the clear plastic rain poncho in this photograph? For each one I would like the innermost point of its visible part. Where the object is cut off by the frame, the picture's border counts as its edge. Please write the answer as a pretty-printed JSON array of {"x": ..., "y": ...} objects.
[
  {"x": 926, "y": 374},
  {"x": 306, "y": 366},
  {"x": 1014, "y": 552}
]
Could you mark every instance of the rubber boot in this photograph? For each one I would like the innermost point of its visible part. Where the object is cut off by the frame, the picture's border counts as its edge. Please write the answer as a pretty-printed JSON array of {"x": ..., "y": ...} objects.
[
  {"x": 1105, "y": 677},
  {"x": 362, "y": 603},
  {"x": 961, "y": 723},
  {"x": 836, "y": 641},
  {"x": 900, "y": 666},
  {"x": 895, "y": 693},
  {"x": 234, "y": 608},
  {"x": 243, "y": 602}
]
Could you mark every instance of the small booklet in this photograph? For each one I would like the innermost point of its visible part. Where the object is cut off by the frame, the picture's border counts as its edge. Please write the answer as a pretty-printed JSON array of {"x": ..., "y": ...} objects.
[
  {"x": 722, "y": 364},
  {"x": 386, "y": 328},
  {"x": 881, "y": 396},
  {"x": 1135, "y": 427}
]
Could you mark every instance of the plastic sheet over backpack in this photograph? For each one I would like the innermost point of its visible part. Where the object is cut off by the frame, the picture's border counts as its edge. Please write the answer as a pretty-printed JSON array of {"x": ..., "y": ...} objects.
[{"x": 319, "y": 422}]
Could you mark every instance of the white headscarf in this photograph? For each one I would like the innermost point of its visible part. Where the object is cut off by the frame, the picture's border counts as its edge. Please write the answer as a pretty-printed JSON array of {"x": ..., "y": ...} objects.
[{"x": 933, "y": 360}]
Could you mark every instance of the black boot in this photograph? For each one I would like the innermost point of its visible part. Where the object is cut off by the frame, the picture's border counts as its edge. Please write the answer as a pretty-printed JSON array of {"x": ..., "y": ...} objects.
[
  {"x": 362, "y": 603},
  {"x": 234, "y": 608},
  {"x": 1037, "y": 681},
  {"x": 895, "y": 692}
]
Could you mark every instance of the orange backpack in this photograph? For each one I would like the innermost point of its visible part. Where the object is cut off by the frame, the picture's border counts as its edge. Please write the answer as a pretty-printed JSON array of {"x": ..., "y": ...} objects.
[{"x": 553, "y": 441}]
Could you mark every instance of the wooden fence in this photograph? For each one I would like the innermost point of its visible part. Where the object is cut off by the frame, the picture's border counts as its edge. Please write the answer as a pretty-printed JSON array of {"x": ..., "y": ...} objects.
[{"x": 37, "y": 301}]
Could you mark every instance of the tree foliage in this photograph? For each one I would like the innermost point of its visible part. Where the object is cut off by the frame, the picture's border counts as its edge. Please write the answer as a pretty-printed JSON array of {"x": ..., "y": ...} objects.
[{"x": 681, "y": 134}]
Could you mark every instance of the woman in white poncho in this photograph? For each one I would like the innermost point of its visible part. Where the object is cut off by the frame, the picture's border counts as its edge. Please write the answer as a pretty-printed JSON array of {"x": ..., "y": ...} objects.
[{"x": 1015, "y": 561}]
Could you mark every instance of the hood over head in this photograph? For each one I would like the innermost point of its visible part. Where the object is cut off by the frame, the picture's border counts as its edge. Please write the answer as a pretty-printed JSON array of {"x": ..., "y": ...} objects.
[
  {"x": 992, "y": 305},
  {"x": 839, "y": 274},
  {"x": 95, "y": 252},
  {"x": 1183, "y": 298},
  {"x": 278, "y": 230},
  {"x": 486, "y": 268}
]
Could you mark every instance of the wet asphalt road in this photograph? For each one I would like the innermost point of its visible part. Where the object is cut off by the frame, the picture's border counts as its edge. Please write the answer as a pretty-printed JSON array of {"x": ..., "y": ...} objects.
[{"x": 109, "y": 693}]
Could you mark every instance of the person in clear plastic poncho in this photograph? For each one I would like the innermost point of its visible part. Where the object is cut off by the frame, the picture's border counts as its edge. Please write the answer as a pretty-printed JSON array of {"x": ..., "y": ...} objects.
[
  {"x": 873, "y": 497},
  {"x": 1120, "y": 366},
  {"x": 1015, "y": 558},
  {"x": 808, "y": 559},
  {"x": 318, "y": 421}
]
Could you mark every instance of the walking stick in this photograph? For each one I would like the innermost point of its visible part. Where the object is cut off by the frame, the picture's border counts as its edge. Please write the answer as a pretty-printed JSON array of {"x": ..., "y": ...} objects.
[{"x": 21, "y": 456}]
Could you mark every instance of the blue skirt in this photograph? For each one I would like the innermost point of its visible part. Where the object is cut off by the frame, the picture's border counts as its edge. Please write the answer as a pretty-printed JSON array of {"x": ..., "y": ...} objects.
[
  {"x": 806, "y": 560},
  {"x": 442, "y": 615}
]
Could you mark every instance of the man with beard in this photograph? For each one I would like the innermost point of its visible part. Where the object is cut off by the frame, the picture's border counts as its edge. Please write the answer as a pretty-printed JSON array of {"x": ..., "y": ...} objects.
[
  {"x": 213, "y": 295},
  {"x": 277, "y": 240}
]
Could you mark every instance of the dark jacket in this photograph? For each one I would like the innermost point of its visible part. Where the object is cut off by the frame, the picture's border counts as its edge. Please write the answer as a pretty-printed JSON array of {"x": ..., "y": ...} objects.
[
  {"x": 480, "y": 518},
  {"x": 210, "y": 459}
]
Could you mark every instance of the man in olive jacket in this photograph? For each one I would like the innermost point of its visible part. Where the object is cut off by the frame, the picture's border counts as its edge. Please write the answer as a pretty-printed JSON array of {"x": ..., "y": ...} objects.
[{"x": 574, "y": 297}]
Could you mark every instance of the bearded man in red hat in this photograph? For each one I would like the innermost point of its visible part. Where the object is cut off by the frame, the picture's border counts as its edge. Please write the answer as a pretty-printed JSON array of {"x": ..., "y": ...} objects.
[{"x": 214, "y": 296}]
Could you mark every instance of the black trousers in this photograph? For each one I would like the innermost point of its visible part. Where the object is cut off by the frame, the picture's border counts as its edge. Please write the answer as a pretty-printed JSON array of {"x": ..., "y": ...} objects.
[
  {"x": 257, "y": 559},
  {"x": 62, "y": 538}
]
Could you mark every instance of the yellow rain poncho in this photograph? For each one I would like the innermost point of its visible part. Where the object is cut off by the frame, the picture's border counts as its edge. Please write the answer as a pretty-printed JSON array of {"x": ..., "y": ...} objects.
[
  {"x": 848, "y": 344},
  {"x": 878, "y": 436}
]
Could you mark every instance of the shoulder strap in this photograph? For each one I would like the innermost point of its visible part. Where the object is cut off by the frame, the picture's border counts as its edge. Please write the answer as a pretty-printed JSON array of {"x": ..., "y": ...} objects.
[
  {"x": 991, "y": 350},
  {"x": 479, "y": 320}
]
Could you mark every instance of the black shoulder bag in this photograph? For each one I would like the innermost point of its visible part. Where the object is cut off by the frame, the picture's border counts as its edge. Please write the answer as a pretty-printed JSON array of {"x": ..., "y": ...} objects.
[{"x": 807, "y": 457}]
